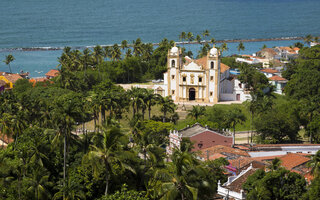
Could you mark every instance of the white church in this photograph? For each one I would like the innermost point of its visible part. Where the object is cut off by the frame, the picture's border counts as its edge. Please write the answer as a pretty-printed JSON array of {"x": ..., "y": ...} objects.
[{"x": 205, "y": 80}]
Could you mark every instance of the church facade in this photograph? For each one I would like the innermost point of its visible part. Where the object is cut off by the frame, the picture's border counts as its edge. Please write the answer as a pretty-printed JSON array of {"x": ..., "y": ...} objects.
[{"x": 192, "y": 80}]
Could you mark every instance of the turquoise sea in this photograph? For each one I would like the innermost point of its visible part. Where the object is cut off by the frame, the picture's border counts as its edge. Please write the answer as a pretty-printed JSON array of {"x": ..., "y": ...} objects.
[{"x": 79, "y": 23}]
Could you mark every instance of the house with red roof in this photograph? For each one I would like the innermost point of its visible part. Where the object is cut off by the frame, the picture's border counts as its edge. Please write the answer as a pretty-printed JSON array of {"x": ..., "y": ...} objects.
[
  {"x": 52, "y": 73},
  {"x": 279, "y": 83},
  {"x": 202, "y": 137},
  {"x": 7, "y": 80}
]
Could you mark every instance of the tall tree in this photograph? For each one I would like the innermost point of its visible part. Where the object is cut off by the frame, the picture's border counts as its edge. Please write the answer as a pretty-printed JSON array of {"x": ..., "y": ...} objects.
[
  {"x": 8, "y": 60},
  {"x": 167, "y": 106},
  {"x": 196, "y": 112},
  {"x": 67, "y": 111},
  {"x": 234, "y": 117},
  {"x": 124, "y": 44},
  {"x": 314, "y": 163},
  {"x": 190, "y": 37},
  {"x": 109, "y": 153},
  {"x": 240, "y": 47},
  {"x": 205, "y": 34},
  {"x": 308, "y": 39}
]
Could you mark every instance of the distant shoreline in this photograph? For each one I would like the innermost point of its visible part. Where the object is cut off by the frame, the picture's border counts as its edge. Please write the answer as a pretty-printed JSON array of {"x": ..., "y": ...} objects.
[{"x": 155, "y": 44}]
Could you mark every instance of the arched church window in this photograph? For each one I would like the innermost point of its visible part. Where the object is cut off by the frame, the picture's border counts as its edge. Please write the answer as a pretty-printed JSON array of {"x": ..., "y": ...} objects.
[
  {"x": 173, "y": 63},
  {"x": 211, "y": 65}
]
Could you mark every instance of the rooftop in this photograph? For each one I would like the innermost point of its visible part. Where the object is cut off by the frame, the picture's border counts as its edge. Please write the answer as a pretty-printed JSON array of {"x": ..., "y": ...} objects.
[
  {"x": 292, "y": 160},
  {"x": 269, "y": 70},
  {"x": 12, "y": 77},
  {"x": 196, "y": 129},
  {"x": 220, "y": 149},
  {"x": 53, "y": 73},
  {"x": 277, "y": 78}
]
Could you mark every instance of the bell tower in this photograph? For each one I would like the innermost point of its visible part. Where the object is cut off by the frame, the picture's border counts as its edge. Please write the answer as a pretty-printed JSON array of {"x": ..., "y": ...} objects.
[
  {"x": 173, "y": 73},
  {"x": 213, "y": 75}
]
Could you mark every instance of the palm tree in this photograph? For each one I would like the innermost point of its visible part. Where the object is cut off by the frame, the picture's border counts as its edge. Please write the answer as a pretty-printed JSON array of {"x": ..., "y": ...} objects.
[
  {"x": 240, "y": 47},
  {"x": 128, "y": 53},
  {"x": 37, "y": 184},
  {"x": 109, "y": 153},
  {"x": 167, "y": 105},
  {"x": 213, "y": 41},
  {"x": 205, "y": 34},
  {"x": 196, "y": 112},
  {"x": 314, "y": 163},
  {"x": 150, "y": 100},
  {"x": 124, "y": 44},
  {"x": 275, "y": 164},
  {"x": 98, "y": 54},
  {"x": 182, "y": 36},
  {"x": 264, "y": 46},
  {"x": 8, "y": 60},
  {"x": 66, "y": 111},
  {"x": 308, "y": 39},
  {"x": 190, "y": 37},
  {"x": 115, "y": 52},
  {"x": 71, "y": 191},
  {"x": 234, "y": 117},
  {"x": 172, "y": 182},
  {"x": 107, "y": 51},
  {"x": 223, "y": 47},
  {"x": 198, "y": 39},
  {"x": 137, "y": 47}
]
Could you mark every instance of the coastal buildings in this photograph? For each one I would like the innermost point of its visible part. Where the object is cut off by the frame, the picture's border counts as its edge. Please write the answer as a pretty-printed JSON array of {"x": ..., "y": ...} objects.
[
  {"x": 52, "y": 73},
  {"x": 7, "y": 80}
]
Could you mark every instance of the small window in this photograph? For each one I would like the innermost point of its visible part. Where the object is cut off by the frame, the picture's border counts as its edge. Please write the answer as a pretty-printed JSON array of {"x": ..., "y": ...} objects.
[
  {"x": 173, "y": 92},
  {"x": 211, "y": 78},
  {"x": 184, "y": 79},
  {"x": 200, "y": 79},
  {"x": 172, "y": 76},
  {"x": 173, "y": 63},
  {"x": 211, "y": 65},
  {"x": 211, "y": 93}
]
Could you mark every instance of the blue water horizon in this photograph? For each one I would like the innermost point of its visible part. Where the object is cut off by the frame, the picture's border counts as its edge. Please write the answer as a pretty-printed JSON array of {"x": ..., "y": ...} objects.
[{"x": 79, "y": 23}]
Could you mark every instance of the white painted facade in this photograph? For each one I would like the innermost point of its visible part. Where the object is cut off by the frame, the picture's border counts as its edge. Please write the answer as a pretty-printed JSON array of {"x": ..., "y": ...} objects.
[{"x": 192, "y": 80}]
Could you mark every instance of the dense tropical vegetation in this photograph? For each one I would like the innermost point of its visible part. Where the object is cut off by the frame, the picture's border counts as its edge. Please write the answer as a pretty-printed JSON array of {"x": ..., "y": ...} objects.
[{"x": 53, "y": 155}]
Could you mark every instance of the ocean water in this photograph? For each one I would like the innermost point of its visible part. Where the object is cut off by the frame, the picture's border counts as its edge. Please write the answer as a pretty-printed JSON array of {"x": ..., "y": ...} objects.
[{"x": 78, "y": 23}]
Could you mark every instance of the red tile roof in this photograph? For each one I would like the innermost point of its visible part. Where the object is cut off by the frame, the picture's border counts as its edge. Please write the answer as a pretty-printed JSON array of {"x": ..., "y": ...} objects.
[
  {"x": 277, "y": 78},
  {"x": 296, "y": 49},
  {"x": 12, "y": 77},
  {"x": 269, "y": 70},
  {"x": 292, "y": 160},
  {"x": 202, "y": 62},
  {"x": 53, "y": 73},
  {"x": 241, "y": 162},
  {"x": 224, "y": 149},
  {"x": 236, "y": 185},
  {"x": 223, "y": 67},
  {"x": 269, "y": 50}
]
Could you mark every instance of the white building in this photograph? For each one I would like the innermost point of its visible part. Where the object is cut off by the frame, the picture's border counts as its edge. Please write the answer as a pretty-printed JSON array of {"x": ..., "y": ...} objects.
[{"x": 198, "y": 80}]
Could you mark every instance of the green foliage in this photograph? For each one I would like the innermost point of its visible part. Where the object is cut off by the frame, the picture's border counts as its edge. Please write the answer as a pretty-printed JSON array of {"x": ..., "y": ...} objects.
[
  {"x": 277, "y": 184},
  {"x": 303, "y": 85},
  {"x": 313, "y": 192},
  {"x": 126, "y": 194},
  {"x": 279, "y": 124},
  {"x": 230, "y": 61}
]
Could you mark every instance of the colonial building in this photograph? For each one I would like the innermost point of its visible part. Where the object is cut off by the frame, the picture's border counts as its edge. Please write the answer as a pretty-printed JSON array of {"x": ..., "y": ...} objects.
[{"x": 192, "y": 80}]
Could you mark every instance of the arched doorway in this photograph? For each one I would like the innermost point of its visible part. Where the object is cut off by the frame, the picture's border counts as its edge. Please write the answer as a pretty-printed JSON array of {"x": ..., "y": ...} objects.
[{"x": 192, "y": 94}]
